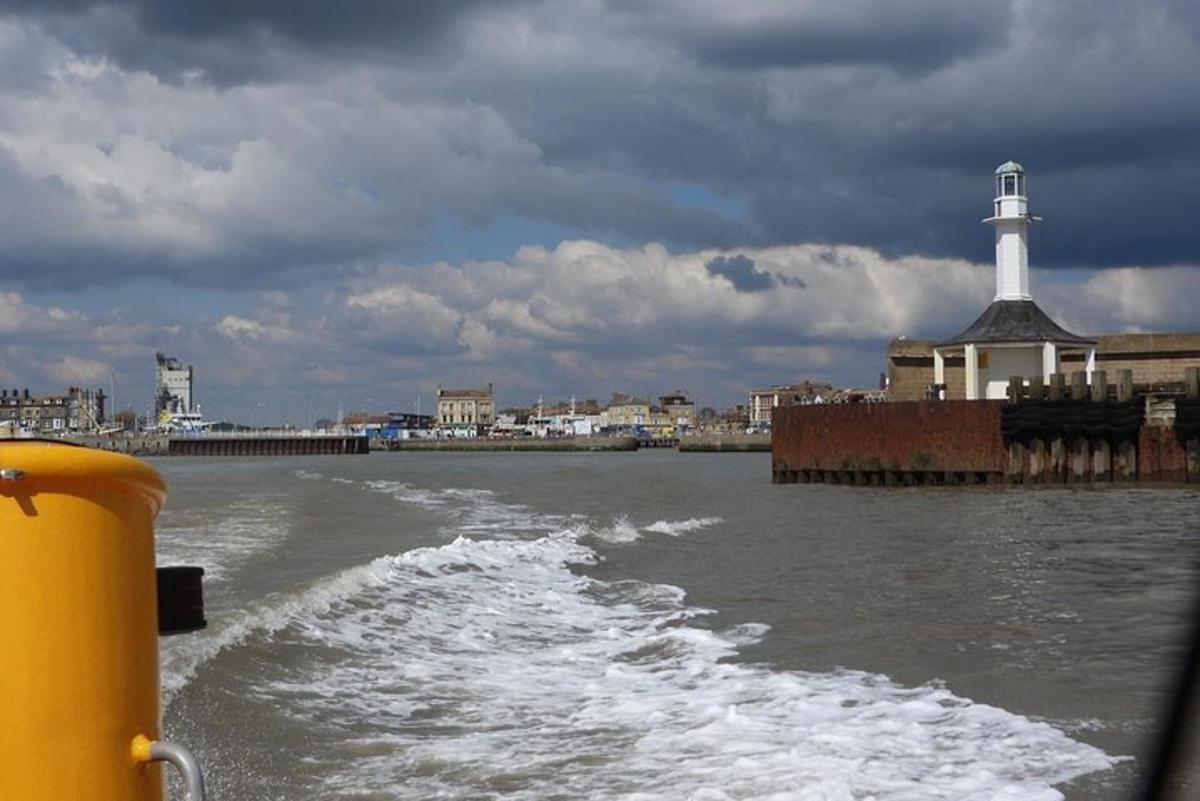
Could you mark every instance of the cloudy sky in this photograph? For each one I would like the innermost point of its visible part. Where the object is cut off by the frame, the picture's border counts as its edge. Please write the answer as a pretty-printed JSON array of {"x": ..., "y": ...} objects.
[{"x": 318, "y": 205}]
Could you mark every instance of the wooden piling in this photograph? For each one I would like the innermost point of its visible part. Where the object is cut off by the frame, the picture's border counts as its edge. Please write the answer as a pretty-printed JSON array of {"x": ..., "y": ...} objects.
[
  {"x": 1079, "y": 385},
  {"x": 1124, "y": 386},
  {"x": 1191, "y": 383},
  {"x": 1058, "y": 387},
  {"x": 1101, "y": 448},
  {"x": 1015, "y": 473},
  {"x": 1037, "y": 460}
]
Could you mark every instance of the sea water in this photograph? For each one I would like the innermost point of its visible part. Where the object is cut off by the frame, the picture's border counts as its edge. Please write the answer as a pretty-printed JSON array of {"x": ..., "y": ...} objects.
[{"x": 663, "y": 626}]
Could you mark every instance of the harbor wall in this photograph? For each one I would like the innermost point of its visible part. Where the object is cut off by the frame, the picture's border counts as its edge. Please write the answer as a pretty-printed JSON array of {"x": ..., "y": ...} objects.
[
  {"x": 227, "y": 445},
  {"x": 888, "y": 443},
  {"x": 565, "y": 444},
  {"x": 1045, "y": 433},
  {"x": 725, "y": 443}
]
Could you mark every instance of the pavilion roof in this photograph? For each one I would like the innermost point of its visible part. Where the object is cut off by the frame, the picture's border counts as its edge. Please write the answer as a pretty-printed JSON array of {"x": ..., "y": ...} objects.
[{"x": 1015, "y": 321}]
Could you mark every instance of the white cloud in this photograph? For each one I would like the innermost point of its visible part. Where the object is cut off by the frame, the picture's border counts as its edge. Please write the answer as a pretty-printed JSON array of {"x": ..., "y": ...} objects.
[
  {"x": 233, "y": 327},
  {"x": 79, "y": 371}
]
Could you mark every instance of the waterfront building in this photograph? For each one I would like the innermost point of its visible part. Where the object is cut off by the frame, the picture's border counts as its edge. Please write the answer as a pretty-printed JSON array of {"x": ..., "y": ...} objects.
[
  {"x": 1013, "y": 336},
  {"x": 629, "y": 413},
  {"x": 78, "y": 411},
  {"x": 763, "y": 401},
  {"x": 679, "y": 410},
  {"x": 172, "y": 387},
  {"x": 466, "y": 409}
]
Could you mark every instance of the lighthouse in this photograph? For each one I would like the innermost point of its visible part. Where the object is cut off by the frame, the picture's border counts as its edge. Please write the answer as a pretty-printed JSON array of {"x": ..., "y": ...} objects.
[
  {"x": 1013, "y": 336},
  {"x": 1011, "y": 220}
]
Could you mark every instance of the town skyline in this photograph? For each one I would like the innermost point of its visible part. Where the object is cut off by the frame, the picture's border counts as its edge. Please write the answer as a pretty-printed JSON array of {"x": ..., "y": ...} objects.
[{"x": 572, "y": 199}]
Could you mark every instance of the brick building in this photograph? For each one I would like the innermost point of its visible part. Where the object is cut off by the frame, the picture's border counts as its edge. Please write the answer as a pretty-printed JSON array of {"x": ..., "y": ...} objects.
[
  {"x": 466, "y": 408},
  {"x": 762, "y": 401},
  {"x": 80, "y": 410}
]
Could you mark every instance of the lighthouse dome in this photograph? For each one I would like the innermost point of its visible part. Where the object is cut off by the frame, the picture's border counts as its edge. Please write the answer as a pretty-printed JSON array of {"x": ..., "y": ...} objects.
[{"x": 1009, "y": 167}]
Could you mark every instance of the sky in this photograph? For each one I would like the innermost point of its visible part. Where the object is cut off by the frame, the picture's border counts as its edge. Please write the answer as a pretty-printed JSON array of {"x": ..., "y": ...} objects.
[{"x": 322, "y": 206}]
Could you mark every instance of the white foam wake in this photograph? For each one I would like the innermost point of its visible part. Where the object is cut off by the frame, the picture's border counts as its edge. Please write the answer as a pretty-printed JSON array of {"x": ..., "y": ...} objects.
[
  {"x": 488, "y": 668},
  {"x": 181, "y": 657},
  {"x": 674, "y": 529},
  {"x": 246, "y": 528}
]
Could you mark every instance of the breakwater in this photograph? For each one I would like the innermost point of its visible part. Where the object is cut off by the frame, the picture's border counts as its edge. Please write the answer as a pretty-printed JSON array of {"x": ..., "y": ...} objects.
[
  {"x": 565, "y": 444},
  {"x": 234, "y": 445},
  {"x": 725, "y": 443},
  {"x": 1059, "y": 431}
]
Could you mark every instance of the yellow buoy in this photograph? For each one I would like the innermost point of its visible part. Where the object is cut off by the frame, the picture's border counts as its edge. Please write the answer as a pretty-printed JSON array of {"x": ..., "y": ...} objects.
[{"x": 78, "y": 624}]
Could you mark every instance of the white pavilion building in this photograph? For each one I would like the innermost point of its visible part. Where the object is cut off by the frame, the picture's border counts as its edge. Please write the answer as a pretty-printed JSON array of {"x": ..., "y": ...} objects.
[{"x": 1013, "y": 336}]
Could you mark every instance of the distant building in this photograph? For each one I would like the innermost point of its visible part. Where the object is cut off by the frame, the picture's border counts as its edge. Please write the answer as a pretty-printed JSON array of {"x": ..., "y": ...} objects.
[
  {"x": 466, "y": 408},
  {"x": 409, "y": 421},
  {"x": 78, "y": 411},
  {"x": 172, "y": 386},
  {"x": 678, "y": 409},
  {"x": 625, "y": 412},
  {"x": 762, "y": 401}
]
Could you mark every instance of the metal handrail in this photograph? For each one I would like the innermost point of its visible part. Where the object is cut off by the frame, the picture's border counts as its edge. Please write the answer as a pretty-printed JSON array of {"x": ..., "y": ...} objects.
[{"x": 146, "y": 750}]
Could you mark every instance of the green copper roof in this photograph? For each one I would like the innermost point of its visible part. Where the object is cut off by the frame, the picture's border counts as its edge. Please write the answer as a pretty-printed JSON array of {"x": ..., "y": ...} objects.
[{"x": 1009, "y": 166}]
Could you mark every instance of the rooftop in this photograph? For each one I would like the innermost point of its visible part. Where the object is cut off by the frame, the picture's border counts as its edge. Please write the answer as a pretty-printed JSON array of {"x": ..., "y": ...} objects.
[{"x": 1015, "y": 321}]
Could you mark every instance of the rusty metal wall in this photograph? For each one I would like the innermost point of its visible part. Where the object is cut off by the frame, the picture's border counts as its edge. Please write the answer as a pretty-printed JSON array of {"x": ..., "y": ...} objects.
[{"x": 915, "y": 436}]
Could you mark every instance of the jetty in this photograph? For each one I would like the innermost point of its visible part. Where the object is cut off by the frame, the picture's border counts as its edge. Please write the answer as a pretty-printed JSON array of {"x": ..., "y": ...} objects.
[
  {"x": 725, "y": 443},
  {"x": 1061, "y": 431},
  {"x": 522, "y": 444},
  {"x": 234, "y": 444}
]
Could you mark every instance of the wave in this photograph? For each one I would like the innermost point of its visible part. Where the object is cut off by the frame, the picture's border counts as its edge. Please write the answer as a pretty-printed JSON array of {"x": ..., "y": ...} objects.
[
  {"x": 683, "y": 526},
  {"x": 486, "y": 663},
  {"x": 491, "y": 667}
]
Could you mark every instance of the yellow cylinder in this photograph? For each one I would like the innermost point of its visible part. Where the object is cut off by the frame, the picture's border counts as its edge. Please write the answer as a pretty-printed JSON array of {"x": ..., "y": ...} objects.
[{"x": 78, "y": 623}]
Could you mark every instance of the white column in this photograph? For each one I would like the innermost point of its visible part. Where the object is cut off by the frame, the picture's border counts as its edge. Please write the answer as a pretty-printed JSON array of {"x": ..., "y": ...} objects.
[
  {"x": 1012, "y": 259},
  {"x": 971, "y": 355},
  {"x": 1091, "y": 364},
  {"x": 939, "y": 367},
  {"x": 1049, "y": 360}
]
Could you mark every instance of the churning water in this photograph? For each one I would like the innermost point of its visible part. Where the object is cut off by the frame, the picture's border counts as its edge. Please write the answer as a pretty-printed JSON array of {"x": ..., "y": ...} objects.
[{"x": 663, "y": 626}]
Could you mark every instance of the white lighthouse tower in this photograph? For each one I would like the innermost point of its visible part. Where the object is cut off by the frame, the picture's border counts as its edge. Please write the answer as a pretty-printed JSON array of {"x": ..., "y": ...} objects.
[
  {"x": 1011, "y": 220},
  {"x": 1013, "y": 336}
]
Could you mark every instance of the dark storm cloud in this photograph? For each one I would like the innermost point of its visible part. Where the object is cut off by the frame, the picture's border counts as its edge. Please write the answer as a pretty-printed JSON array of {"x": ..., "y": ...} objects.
[
  {"x": 228, "y": 42},
  {"x": 340, "y": 137},
  {"x": 915, "y": 35},
  {"x": 744, "y": 274},
  {"x": 308, "y": 22}
]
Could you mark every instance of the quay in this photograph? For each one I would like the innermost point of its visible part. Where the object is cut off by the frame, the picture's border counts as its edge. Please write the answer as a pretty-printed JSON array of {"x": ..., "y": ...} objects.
[
  {"x": 726, "y": 443},
  {"x": 564, "y": 444},
  {"x": 229, "y": 445},
  {"x": 1054, "y": 432}
]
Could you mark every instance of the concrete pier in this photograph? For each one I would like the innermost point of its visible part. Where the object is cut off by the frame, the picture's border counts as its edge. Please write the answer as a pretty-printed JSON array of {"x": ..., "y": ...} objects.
[{"x": 725, "y": 443}]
